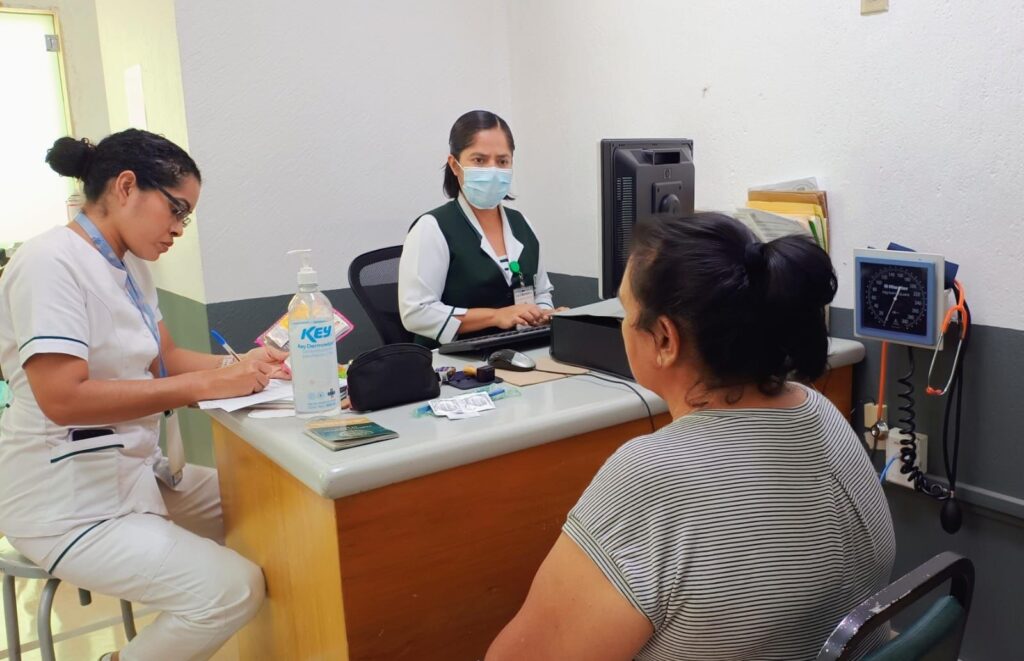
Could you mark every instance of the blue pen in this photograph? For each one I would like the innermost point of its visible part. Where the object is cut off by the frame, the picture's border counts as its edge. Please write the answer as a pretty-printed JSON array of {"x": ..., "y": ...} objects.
[{"x": 219, "y": 339}]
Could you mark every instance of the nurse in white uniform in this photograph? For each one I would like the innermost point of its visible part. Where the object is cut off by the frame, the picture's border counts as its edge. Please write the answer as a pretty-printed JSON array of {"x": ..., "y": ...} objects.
[{"x": 85, "y": 491}]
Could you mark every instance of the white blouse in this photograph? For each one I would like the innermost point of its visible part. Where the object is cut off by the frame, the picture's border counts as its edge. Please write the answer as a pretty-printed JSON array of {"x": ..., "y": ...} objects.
[
  {"x": 424, "y": 269},
  {"x": 59, "y": 295}
]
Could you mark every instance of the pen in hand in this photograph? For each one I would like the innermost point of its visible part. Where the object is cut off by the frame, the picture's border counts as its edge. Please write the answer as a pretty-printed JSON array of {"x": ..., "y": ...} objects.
[{"x": 219, "y": 339}]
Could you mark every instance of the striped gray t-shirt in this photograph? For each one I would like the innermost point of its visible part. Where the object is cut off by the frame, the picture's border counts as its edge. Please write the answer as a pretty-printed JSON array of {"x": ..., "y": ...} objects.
[{"x": 740, "y": 534}]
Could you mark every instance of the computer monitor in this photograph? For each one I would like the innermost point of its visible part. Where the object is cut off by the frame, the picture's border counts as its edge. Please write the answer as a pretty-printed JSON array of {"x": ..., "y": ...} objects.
[{"x": 641, "y": 181}]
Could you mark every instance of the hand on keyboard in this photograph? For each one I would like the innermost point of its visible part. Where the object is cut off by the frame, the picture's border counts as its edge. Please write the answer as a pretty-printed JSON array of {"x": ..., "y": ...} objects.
[{"x": 524, "y": 314}]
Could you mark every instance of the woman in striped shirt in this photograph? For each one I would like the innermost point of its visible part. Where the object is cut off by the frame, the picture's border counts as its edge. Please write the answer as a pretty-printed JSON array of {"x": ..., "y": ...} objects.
[{"x": 749, "y": 526}]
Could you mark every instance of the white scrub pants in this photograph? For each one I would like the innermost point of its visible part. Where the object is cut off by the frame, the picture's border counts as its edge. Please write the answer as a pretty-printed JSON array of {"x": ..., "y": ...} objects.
[{"x": 205, "y": 591}]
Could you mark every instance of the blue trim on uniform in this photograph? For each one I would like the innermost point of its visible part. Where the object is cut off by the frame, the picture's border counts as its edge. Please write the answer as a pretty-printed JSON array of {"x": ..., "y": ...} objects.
[
  {"x": 71, "y": 454},
  {"x": 73, "y": 542},
  {"x": 53, "y": 337}
]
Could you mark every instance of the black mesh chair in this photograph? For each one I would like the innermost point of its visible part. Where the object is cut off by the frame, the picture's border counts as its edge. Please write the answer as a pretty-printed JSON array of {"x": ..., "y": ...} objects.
[
  {"x": 934, "y": 636},
  {"x": 374, "y": 279}
]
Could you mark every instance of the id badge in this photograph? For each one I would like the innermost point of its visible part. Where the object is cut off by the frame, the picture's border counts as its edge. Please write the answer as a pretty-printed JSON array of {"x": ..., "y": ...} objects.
[
  {"x": 523, "y": 295},
  {"x": 170, "y": 470}
]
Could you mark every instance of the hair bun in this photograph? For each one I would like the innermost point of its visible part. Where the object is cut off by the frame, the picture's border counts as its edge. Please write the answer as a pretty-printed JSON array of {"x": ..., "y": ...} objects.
[
  {"x": 753, "y": 259},
  {"x": 70, "y": 157}
]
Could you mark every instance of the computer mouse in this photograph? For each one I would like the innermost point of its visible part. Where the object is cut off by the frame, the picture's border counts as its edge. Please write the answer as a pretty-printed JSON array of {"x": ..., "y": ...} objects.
[{"x": 508, "y": 359}]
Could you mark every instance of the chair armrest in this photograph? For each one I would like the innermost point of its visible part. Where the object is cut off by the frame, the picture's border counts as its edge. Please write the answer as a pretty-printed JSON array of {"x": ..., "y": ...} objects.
[{"x": 894, "y": 598}]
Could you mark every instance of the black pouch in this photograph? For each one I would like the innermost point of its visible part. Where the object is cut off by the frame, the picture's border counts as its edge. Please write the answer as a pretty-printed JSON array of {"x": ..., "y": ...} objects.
[{"x": 392, "y": 375}]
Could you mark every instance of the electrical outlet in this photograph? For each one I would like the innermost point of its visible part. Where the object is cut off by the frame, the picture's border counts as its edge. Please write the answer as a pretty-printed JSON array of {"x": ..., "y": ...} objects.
[
  {"x": 870, "y": 413},
  {"x": 892, "y": 449},
  {"x": 868, "y": 7}
]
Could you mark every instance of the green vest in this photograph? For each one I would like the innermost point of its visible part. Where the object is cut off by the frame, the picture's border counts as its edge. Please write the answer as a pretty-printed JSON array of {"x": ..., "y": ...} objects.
[{"x": 474, "y": 280}]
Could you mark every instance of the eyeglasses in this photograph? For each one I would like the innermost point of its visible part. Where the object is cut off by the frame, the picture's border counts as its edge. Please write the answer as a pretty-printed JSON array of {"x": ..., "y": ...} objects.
[{"x": 179, "y": 207}]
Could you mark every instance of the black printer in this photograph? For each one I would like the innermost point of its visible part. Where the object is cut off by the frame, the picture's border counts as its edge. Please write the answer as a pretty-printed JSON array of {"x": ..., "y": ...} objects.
[{"x": 590, "y": 336}]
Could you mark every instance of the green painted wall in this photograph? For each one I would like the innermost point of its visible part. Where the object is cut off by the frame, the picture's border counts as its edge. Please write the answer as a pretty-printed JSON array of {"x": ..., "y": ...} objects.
[{"x": 187, "y": 322}]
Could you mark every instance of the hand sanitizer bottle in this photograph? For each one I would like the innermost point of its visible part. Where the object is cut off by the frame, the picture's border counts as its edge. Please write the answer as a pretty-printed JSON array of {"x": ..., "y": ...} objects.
[{"x": 314, "y": 360}]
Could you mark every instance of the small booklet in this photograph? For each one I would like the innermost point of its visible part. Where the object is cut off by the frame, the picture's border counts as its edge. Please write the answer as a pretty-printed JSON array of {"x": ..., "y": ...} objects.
[{"x": 341, "y": 433}]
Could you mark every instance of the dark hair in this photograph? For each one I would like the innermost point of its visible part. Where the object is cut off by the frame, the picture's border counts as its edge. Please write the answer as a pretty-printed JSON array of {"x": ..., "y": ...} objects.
[
  {"x": 754, "y": 312},
  {"x": 155, "y": 160},
  {"x": 462, "y": 134}
]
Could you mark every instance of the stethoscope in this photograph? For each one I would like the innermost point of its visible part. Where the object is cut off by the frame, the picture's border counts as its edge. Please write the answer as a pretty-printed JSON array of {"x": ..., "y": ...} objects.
[{"x": 950, "y": 515}]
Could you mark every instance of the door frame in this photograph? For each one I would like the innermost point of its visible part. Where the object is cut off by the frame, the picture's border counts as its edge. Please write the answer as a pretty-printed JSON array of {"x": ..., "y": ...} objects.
[{"x": 60, "y": 56}]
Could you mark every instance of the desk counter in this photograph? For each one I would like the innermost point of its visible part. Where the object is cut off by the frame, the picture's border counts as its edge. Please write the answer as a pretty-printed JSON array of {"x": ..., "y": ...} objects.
[
  {"x": 545, "y": 412},
  {"x": 424, "y": 546}
]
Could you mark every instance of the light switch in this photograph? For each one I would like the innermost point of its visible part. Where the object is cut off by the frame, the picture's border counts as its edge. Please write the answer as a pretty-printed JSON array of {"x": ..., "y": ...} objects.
[{"x": 873, "y": 7}]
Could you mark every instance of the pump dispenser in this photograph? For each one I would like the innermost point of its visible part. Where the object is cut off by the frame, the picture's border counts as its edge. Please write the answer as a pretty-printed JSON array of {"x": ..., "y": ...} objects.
[
  {"x": 306, "y": 275},
  {"x": 314, "y": 359}
]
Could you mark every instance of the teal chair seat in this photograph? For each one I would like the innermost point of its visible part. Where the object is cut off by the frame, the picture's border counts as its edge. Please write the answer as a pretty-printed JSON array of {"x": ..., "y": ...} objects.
[{"x": 935, "y": 636}]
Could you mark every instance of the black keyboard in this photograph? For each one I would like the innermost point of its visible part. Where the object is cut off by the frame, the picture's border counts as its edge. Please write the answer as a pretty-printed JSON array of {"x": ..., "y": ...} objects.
[{"x": 538, "y": 335}]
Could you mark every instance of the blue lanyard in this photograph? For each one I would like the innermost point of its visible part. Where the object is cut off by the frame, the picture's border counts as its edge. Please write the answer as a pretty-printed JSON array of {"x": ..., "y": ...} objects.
[{"x": 134, "y": 293}]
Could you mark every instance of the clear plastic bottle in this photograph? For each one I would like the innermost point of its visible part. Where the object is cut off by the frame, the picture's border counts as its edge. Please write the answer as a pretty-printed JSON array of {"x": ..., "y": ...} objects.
[{"x": 314, "y": 361}]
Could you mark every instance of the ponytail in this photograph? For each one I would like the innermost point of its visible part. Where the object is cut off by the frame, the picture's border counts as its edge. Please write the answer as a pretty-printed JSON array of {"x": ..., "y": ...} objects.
[{"x": 753, "y": 311}]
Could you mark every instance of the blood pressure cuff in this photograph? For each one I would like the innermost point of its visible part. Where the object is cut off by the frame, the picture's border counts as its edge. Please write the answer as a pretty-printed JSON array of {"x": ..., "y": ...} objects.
[
  {"x": 392, "y": 375},
  {"x": 950, "y": 269}
]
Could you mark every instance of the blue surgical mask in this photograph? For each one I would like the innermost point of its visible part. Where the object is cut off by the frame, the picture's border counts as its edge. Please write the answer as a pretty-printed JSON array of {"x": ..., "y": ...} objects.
[{"x": 485, "y": 188}]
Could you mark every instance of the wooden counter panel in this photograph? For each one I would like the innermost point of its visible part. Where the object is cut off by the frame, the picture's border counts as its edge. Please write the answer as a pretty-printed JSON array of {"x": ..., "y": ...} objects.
[
  {"x": 434, "y": 567},
  {"x": 277, "y": 522}
]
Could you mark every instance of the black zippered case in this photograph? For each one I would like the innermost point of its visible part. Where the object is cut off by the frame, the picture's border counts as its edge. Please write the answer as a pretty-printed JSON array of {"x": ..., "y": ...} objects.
[{"x": 392, "y": 375}]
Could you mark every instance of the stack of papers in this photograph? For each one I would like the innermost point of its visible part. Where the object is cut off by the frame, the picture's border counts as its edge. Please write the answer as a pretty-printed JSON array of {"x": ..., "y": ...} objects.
[
  {"x": 789, "y": 207},
  {"x": 275, "y": 391},
  {"x": 278, "y": 394}
]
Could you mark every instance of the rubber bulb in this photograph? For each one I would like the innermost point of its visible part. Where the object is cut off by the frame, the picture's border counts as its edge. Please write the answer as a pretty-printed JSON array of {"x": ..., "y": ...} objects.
[{"x": 951, "y": 516}]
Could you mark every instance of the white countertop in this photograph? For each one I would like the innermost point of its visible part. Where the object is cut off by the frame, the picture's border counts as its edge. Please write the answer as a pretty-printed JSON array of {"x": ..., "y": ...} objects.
[{"x": 545, "y": 412}]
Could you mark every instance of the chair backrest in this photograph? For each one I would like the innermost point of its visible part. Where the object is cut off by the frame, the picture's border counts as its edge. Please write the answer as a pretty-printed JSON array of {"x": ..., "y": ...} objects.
[
  {"x": 374, "y": 279},
  {"x": 935, "y": 636}
]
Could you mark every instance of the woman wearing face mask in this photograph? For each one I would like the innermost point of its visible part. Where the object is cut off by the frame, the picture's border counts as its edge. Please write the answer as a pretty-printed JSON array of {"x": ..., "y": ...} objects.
[
  {"x": 85, "y": 491},
  {"x": 473, "y": 265}
]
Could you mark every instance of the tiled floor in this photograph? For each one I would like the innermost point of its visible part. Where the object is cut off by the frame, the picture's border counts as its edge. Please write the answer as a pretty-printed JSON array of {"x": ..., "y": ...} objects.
[{"x": 82, "y": 633}]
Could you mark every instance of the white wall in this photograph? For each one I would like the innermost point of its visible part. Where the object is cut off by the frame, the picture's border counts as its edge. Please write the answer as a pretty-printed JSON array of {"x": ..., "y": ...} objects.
[
  {"x": 325, "y": 125},
  {"x": 143, "y": 33},
  {"x": 911, "y": 119}
]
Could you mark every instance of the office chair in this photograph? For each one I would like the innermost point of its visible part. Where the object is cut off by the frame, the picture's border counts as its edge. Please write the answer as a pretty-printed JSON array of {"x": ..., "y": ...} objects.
[
  {"x": 374, "y": 279},
  {"x": 935, "y": 636}
]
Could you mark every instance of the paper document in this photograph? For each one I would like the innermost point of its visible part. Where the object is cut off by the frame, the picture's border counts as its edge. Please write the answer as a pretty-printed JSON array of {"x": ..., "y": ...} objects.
[
  {"x": 134, "y": 97},
  {"x": 275, "y": 390},
  {"x": 611, "y": 307},
  {"x": 805, "y": 184},
  {"x": 278, "y": 394},
  {"x": 272, "y": 413},
  {"x": 769, "y": 226}
]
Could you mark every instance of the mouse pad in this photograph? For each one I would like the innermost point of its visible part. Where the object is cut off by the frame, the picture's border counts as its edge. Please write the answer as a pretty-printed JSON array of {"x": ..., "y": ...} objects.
[{"x": 533, "y": 376}]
